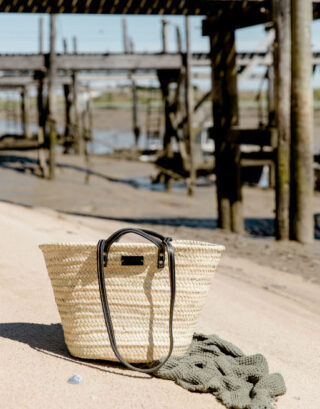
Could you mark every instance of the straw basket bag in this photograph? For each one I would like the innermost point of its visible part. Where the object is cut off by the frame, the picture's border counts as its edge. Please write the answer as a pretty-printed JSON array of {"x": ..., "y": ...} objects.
[{"x": 144, "y": 294}]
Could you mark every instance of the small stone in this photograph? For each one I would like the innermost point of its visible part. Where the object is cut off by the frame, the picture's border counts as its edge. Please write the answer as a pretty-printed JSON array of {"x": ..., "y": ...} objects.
[
  {"x": 296, "y": 397},
  {"x": 75, "y": 379}
]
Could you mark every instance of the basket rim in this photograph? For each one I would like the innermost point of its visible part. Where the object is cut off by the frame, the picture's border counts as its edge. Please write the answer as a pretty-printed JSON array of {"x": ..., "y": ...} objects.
[{"x": 177, "y": 243}]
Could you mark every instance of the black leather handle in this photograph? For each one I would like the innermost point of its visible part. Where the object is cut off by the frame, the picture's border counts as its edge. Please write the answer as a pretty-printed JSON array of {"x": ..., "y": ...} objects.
[{"x": 102, "y": 256}]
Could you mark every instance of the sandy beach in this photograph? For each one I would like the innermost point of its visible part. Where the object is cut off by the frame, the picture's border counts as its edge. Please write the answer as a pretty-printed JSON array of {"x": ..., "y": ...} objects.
[
  {"x": 264, "y": 298},
  {"x": 259, "y": 308}
]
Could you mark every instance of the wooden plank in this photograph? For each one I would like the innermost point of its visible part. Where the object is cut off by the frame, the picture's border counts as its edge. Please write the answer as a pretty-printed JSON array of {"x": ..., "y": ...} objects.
[
  {"x": 19, "y": 144},
  {"x": 241, "y": 136},
  {"x": 118, "y": 61},
  {"x": 302, "y": 124},
  {"x": 191, "y": 7}
]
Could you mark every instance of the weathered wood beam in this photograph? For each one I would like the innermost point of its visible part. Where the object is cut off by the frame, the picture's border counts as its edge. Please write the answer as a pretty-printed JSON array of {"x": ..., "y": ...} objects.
[
  {"x": 302, "y": 228},
  {"x": 189, "y": 132},
  {"x": 282, "y": 92},
  {"x": 225, "y": 114},
  {"x": 192, "y": 7},
  {"x": 164, "y": 35},
  {"x": 78, "y": 139},
  {"x": 51, "y": 119},
  {"x": 25, "y": 113},
  {"x": 41, "y": 37},
  {"x": 105, "y": 62},
  {"x": 41, "y": 126}
]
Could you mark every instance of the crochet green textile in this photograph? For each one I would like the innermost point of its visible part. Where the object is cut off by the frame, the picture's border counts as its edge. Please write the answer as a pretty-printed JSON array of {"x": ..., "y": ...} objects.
[{"x": 216, "y": 366}]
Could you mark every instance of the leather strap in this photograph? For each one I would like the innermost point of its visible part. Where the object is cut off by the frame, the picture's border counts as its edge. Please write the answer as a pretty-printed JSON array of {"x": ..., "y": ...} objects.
[{"x": 103, "y": 248}]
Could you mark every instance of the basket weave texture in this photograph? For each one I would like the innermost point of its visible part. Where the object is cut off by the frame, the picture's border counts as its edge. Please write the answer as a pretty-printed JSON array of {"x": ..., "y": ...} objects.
[{"x": 139, "y": 297}]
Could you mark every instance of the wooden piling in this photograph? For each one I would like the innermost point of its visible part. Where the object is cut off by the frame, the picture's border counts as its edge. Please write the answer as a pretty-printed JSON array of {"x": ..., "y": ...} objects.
[
  {"x": 51, "y": 136},
  {"x": 189, "y": 134},
  {"x": 225, "y": 114},
  {"x": 135, "y": 120},
  {"x": 282, "y": 92},
  {"x": 75, "y": 45},
  {"x": 41, "y": 128},
  {"x": 125, "y": 36},
  {"x": 25, "y": 113},
  {"x": 178, "y": 40},
  {"x": 302, "y": 187},
  {"x": 65, "y": 46},
  {"x": 164, "y": 35},
  {"x": 78, "y": 140},
  {"x": 41, "y": 35},
  {"x": 68, "y": 123}
]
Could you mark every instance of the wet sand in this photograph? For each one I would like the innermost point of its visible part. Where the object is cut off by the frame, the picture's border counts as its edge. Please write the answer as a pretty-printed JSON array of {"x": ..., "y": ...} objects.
[{"x": 112, "y": 193}]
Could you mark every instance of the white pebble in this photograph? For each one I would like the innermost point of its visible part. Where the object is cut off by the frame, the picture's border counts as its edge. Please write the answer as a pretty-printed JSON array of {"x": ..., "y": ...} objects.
[{"x": 75, "y": 379}]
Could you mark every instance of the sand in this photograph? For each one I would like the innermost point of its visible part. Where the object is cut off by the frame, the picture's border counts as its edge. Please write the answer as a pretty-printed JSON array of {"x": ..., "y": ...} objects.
[{"x": 257, "y": 307}]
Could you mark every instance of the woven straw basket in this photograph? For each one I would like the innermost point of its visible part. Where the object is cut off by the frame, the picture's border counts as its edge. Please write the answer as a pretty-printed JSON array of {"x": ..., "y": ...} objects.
[{"x": 139, "y": 297}]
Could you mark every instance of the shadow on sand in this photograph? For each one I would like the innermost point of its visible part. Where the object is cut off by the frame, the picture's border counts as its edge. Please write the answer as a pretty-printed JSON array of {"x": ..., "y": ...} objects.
[
  {"x": 256, "y": 227},
  {"x": 48, "y": 339}
]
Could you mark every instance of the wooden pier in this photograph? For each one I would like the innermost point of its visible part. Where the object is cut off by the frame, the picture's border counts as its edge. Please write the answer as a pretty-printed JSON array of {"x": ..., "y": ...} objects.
[{"x": 290, "y": 101}]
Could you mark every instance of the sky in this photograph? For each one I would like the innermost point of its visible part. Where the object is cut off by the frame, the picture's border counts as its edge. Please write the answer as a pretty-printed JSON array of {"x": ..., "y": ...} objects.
[{"x": 101, "y": 33}]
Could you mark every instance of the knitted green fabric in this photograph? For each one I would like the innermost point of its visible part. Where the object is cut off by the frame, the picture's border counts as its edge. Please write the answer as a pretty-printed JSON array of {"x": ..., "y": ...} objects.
[{"x": 216, "y": 366}]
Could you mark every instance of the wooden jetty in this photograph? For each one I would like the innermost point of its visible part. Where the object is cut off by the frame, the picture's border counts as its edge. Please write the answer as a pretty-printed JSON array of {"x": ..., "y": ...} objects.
[{"x": 291, "y": 90}]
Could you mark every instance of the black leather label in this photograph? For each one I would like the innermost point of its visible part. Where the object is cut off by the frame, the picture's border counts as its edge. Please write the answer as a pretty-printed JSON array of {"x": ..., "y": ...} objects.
[{"x": 132, "y": 260}]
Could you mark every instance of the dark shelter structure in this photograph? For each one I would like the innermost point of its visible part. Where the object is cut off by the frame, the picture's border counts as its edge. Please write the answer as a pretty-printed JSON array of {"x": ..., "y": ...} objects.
[{"x": 293, "y": 107}]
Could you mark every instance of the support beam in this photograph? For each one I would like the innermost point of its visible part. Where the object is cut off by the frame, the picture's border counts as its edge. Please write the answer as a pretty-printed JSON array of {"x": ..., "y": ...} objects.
[
  {"x": 75, "y": 45},
  {"x": 225, "y": 114},
  {"x": 25, "y": 113},
  {"x": 65, "y": 46},
  {"x": 41, "y": 128},
  {"x": 68, "y": 123},
  {"x": 125, "y": 36},
  {"x": 41, "y": 48},
  {"x": 282, "y": 92},
  {"x": 302, "y": 228},
  {"x": 51, "y": 136},
  {"x": 189, "y": 133},
  {"x": 135, "y": 120},
  {"x": 78, "y": 140},
  {"x": 164, "y": 35},
  {"x": 178, "y": 39}
]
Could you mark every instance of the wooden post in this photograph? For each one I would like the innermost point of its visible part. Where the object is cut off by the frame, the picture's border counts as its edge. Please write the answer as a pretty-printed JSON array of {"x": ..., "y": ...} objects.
[
  {"x": 25, "y": 113},
  {"x": 189, "y": 110},
  {"x": 41, "y": 35},
  {"x": 41, "y": 128},
  {"x": 282, "y": 92},
  {"x": 225, "y": 114},
  {"x": 52, "y": 72},
  {"x": 78, "y": 143},
  {"x": 178, "y": 35},
  {"x": 301, "y": 205},
  {"x": 135, "y": 121},
  {"x": 41, "y": 111},
  {"x": 75, "y": 45},
  {"x": 77, "y": 131},
  {"x": 124, "y": 36},
  {"x": 68, "y": 124},
  {"x": 164, "y": 35},
  {"x": 65, "y": 47},
  {"x": 270, "y": 96}
]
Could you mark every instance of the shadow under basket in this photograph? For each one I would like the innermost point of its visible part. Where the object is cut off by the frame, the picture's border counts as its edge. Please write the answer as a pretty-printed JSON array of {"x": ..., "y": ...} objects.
[{"x": 138, "y": 296}]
